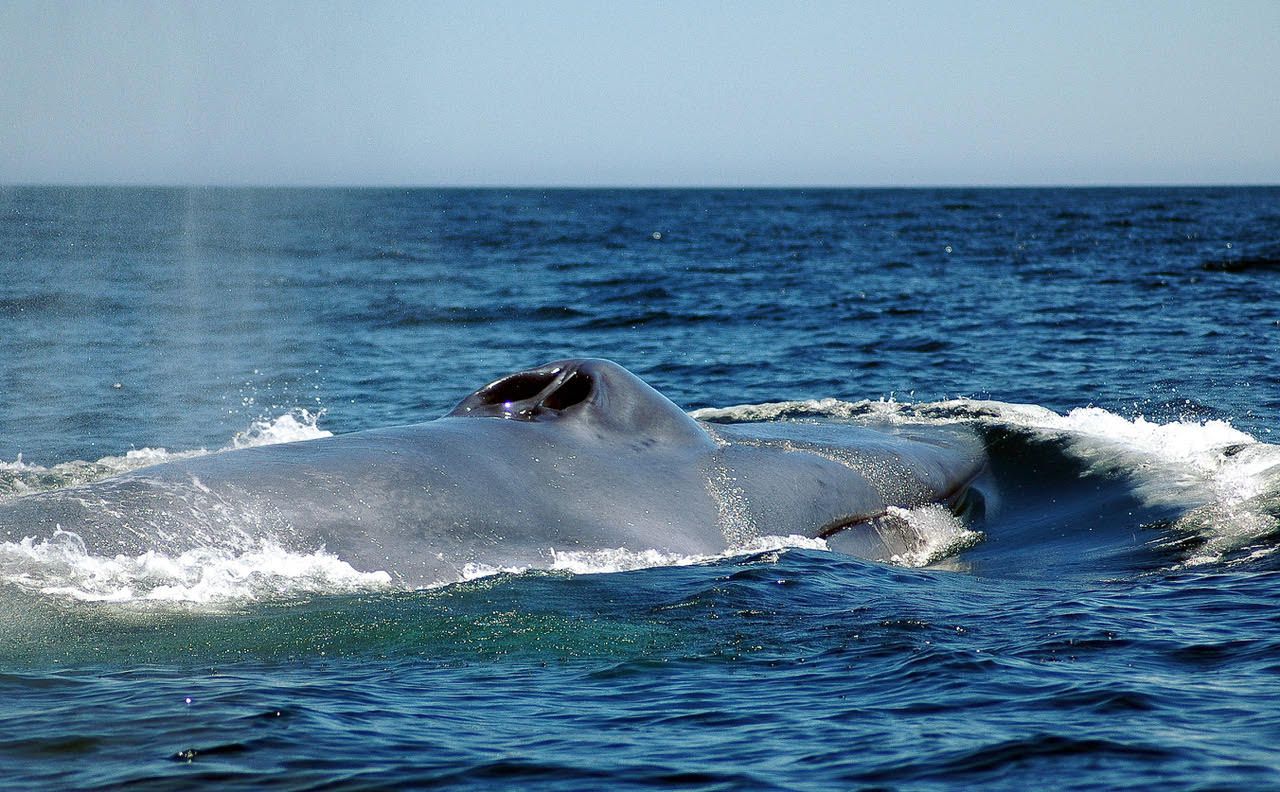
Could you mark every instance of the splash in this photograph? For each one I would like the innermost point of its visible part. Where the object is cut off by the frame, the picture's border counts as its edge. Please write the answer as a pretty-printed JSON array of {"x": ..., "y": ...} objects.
[
  {"x": 1225, "y": 482},
  {"x": 586, "y": 562},
  {"x": 620, "y": 559},
  {"x": 929, "y": 534},
  {"x": 288, "y": 428},
  {"x": 20, "y": 478},
  {"x": 60, "y": 566}
]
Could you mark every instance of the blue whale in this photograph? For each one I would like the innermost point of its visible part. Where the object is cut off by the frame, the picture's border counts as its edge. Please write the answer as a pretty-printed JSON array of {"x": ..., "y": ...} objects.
[{"x": 574, "y": 455}]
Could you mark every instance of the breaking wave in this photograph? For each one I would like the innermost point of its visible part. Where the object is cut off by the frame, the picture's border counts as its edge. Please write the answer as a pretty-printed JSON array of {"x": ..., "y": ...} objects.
[{"x": 1221, "y": 484}]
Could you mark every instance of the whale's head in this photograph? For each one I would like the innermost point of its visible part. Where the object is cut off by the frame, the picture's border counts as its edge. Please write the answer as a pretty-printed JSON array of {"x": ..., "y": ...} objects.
[{"x": 591, "y": 393}]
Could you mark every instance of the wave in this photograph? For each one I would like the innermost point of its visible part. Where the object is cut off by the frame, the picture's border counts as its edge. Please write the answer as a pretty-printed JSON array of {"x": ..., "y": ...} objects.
[{"x": 1220, "y": 485}]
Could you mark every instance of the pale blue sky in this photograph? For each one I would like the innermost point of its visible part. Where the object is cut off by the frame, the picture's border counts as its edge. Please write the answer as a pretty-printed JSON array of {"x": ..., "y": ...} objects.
[{"x": 597, "y": 93}]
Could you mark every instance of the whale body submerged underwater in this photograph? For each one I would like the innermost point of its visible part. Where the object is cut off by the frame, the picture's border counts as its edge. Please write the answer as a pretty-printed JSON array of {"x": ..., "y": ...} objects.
[{"x": 574, "y": 455}]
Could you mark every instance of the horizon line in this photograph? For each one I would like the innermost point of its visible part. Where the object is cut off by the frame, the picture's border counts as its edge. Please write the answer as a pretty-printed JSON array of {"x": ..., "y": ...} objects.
[{"x": 636, "y": 187}]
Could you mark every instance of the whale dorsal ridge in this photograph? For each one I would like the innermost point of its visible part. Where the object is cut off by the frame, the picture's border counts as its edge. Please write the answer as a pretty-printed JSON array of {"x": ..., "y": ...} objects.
[{"x": 591, "y": 391}]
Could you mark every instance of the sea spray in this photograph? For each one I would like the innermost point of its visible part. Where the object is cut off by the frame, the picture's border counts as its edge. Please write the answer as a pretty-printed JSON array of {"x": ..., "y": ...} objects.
[
  {"x": 1225, "y": 482},
  {"x": 18, "y": 478}
]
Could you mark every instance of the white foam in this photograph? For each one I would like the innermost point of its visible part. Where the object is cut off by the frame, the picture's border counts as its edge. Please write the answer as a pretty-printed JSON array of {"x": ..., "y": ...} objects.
[
  {"x": 591, "y": 562},
  {"x": 61, "y": 567},
  {"x": 20, "y": 478},
  {"x": 1226, "y": 482},
  {"x": 935, "y": 534},
  {"x": 288, "y": 428},
  {"x": 474, "y": 571},
  {"x": 620, "y": 559},
  {"x": 772, "y": 411}
]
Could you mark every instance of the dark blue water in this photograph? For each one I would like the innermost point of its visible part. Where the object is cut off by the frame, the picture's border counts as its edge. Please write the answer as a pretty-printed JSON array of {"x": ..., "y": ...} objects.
[{"x": 1118, "y": 625}]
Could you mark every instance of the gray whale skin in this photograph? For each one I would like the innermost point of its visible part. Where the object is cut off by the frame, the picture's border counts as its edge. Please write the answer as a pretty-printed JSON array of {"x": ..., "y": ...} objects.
[{"x": 575, "y": 455}]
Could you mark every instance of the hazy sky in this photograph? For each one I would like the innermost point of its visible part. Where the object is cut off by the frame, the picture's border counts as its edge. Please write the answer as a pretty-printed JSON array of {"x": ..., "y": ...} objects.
[{"x": 643, "y": 93}]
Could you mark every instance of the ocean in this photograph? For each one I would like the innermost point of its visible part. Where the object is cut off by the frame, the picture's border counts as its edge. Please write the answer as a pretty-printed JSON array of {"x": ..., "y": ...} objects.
[{"x": 1111, "y": 621}]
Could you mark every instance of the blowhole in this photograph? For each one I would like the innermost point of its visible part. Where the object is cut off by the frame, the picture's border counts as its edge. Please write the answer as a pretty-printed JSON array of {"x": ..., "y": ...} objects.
[
  {"x": 574, "y": 390},
  {"x": 517, "y": 387}
]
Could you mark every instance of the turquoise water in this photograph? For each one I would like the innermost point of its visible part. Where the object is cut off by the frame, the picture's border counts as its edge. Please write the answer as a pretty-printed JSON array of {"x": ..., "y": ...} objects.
[{"x": 1114, "y": 624}]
